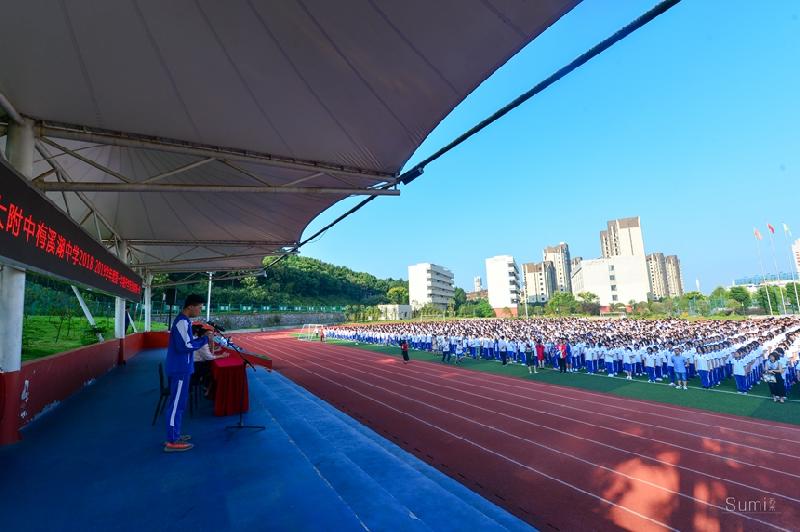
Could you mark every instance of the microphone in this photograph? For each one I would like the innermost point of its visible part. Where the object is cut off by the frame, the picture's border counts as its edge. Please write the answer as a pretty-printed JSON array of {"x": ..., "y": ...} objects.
[{"x": 217, "y": 327}]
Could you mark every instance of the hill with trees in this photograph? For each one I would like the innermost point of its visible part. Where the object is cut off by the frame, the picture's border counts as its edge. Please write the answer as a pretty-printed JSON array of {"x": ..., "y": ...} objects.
[{"x": 299, "y": 280}]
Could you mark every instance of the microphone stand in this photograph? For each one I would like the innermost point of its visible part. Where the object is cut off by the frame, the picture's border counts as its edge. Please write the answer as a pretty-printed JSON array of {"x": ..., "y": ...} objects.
[{"x": 240, "y": 424}]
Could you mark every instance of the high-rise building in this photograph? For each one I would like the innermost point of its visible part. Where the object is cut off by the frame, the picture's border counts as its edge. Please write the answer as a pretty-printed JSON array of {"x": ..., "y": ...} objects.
[
  {"x": 657, "y": 269},
  {"x": 429, "y": 284},
  {"x": 796, "y": 256},
  {"x": 559, "y": 256},
  {"x": 617, "y": 279},
  {"x": 476, "y": 283},
  {"x": 575, "y": 263},
  {"x": 502, "y": 281},
  {"x": 622, "y": 237},
  {"x": 674, "y": 276},
  {"x": 540, "y": 281}
]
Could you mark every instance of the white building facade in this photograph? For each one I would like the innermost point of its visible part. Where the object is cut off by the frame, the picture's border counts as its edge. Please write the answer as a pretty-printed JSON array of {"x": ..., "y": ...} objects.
[
  {"x": 477, "y": 284},
  {"x": 559, "y": 256},
  {"x": 540, "y": 281},
  {"x": 657, "y": 269},
  {"x": 622, "y": 237},
  {"x": 674, "y": 276},
  {"x": 613, "y": 279},
  {"x": 502, "y": 282},
  {"x": 395, "y": 312},
  {"x": 430, "y": 284}
]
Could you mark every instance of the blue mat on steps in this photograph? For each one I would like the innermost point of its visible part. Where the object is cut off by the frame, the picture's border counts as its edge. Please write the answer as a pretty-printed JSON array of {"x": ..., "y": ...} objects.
[{"x": 95, "y": 462}]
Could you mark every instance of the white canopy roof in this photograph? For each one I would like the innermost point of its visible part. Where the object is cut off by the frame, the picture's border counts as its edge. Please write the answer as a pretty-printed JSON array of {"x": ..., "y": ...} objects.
[{"x": 272, "y": 111}]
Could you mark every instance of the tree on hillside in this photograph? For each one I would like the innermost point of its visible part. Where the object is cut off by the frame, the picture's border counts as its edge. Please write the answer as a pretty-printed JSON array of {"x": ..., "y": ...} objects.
[
  {"x": 562, "y": 304},
  {"x": 429, "y": 311},
  {"x": 740, "y": 295},
  {"x": 670, "y": 305},
  {"x": 774, "y": 299},
  {"x": 589, "y": 303},
  {"x": 792, "y": 291},
  {"x": 476, "y": 309},
  {"x": 397, "y": 295},
  {"x": 720, "y": 293},
  {"x": 656, "y": 307},
  {"x": 718, "y": 299},
  {"x": 618, "y": 307},
  {"x": 694, "y": 296},
  {"x": 459, "y": 298}
]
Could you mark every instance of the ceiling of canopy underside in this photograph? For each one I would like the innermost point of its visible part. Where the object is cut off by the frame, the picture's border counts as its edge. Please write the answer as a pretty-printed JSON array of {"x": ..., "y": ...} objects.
[{"x": 141, "y": 96}]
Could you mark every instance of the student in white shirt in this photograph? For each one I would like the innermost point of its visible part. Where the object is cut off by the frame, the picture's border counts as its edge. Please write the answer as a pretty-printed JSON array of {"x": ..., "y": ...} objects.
[
  {"x": 609, "y": 358},
  {"x": 649, "y": 364},
  {"x": 627, "y": 363}
]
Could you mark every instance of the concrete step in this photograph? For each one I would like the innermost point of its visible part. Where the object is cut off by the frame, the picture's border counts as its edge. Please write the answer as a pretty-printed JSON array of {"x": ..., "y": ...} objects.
[
  {"x": 375, "y": 507},
  {"x": 439, "y": 501}
]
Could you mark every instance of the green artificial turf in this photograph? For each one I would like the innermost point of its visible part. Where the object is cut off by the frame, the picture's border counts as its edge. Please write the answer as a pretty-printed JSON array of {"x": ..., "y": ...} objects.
[
  {"x": 47, "y": 335},
  {"x": 723, "y": 399}
]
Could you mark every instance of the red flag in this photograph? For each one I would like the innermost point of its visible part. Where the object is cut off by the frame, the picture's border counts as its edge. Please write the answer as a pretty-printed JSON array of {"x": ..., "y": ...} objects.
[
  {"x": 757, "y": 233},
  {"x": 771, "y": 229}
]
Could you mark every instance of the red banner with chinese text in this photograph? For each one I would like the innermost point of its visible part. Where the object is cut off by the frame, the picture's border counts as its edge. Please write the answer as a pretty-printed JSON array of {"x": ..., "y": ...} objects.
[{"x": 36, "y": 234}]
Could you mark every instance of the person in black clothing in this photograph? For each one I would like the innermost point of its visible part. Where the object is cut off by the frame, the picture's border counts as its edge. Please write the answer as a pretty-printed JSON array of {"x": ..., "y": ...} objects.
[{"x": 404, "y": 350}]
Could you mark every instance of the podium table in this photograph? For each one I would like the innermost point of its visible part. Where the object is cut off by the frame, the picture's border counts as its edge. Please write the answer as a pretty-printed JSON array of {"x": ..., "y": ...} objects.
[{"x": 231, "y": 381}]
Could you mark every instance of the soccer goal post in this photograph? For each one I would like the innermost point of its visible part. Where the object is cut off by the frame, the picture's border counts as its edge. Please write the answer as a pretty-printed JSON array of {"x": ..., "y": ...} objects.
[{"x": 310, "y": 332}]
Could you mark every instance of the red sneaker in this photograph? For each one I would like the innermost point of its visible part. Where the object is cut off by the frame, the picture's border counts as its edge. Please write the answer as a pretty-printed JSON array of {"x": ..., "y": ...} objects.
[
  {"x": 182, "y": 439},
  {"x": 177, "y": 447}
]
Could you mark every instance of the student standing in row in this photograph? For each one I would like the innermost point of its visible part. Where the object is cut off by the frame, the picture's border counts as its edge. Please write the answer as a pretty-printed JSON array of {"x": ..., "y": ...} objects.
[
  {"x": 533, "y": 357},
  {"x": 649, "y": 365},
  {"x": 775, "y": 369},
  {"x": 445, "y": 343},
  {"x": 627, "y": 363},
  {"x": 679, "y": 367},
  {"x": 540, "y": 353},
  {"x": 561, "y": 351},
  {"x": 502, "y": 345}
]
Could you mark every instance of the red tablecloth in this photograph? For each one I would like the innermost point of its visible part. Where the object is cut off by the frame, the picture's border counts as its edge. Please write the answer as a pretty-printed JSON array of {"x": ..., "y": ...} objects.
[{"x": 231, "y": 379}]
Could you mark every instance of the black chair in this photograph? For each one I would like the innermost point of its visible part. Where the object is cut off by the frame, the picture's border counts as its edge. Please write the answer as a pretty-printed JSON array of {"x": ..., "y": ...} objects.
[
  {"x": 163, "y": 386},
  {"x": 195, "y": 388}
]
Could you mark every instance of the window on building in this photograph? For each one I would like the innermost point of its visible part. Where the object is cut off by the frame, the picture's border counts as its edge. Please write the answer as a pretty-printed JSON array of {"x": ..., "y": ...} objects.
[
  {"x": 613, "y": 288},
  {"x": 614, "y": 298},
  {"x": 612, "y": 277},
  {"x": 611, "y": 267}
]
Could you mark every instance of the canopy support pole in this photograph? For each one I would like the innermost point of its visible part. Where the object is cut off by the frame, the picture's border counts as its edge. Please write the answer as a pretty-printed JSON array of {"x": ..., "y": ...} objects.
[
  {"x": 19, "y": 152},
  {"x": 208, "y": 302},
  {"x": 87, "y": 312},
  {"x": 119, "y": 303},
  {"x": 148, "y": 301}
]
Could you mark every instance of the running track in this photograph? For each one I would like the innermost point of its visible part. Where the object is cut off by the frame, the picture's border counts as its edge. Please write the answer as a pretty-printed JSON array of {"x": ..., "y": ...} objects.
[{"x": 561, "y": 458}]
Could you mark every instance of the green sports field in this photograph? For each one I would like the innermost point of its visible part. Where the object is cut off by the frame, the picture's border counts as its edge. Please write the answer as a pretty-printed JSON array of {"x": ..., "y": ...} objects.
[{"x": 723, "y": 399}]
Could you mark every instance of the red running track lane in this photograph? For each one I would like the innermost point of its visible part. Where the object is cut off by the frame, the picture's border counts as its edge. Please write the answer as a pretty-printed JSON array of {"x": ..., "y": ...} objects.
[{"x": 559, "y": 457}]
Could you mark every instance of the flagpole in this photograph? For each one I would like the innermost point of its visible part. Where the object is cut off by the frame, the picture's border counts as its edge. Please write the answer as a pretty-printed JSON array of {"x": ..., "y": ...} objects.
[
  {"x": 763, "y": 272},
  {"x": 771, "y": 231},
  {"x": 792, "y": 267}
]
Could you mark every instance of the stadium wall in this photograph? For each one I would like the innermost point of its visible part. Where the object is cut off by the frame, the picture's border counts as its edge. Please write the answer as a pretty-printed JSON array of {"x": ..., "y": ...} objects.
[
  {"x": 43, "y": 383},
  {"x": 257, "y": 321}
]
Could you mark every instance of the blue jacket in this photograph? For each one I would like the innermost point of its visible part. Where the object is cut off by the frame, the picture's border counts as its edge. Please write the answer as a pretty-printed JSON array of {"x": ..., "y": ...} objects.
[{"x": 181, "y": 347}]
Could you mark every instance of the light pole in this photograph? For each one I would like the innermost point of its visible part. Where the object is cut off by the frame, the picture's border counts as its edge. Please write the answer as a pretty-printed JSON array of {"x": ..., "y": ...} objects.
[
  {"x": 525, "y": 296},
  {"x": 208, "y": 302}
]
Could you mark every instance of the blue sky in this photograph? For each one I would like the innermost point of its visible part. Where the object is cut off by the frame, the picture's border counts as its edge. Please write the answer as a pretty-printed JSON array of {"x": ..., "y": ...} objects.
[{"x": 692, "y": 123}]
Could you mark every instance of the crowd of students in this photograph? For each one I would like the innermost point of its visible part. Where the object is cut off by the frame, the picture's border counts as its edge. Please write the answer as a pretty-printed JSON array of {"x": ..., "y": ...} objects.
[{"x": 671, "y": 351}]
